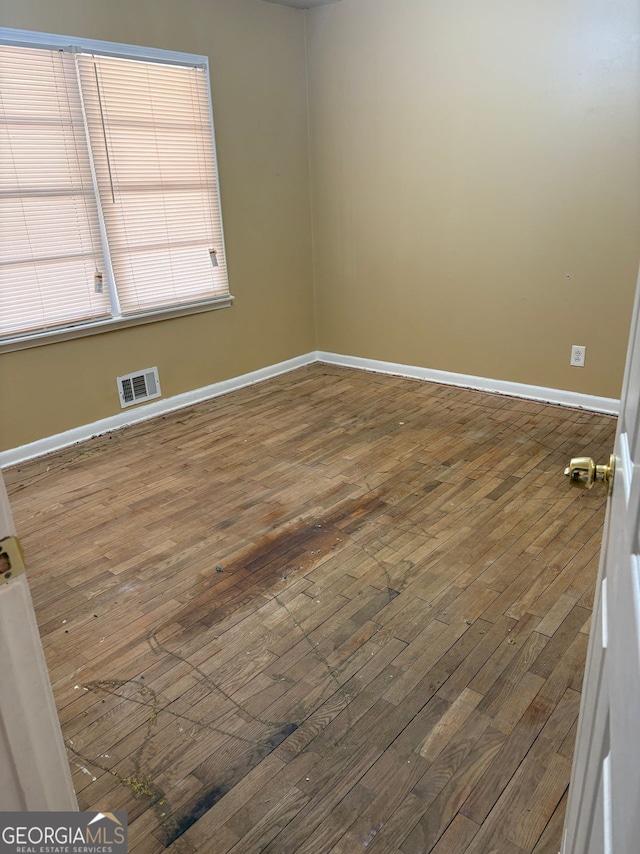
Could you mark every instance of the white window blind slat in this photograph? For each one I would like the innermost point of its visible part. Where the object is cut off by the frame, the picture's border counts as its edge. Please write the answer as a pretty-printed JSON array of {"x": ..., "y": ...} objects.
[{"x": 50, "y": 244}]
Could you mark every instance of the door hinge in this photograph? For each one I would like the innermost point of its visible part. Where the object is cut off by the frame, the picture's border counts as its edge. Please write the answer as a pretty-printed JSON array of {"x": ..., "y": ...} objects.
[{"x": 11, "y": 559}]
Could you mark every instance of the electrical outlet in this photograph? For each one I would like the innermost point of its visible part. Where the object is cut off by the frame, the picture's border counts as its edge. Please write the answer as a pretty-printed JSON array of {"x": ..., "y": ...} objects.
[{"x": 578, "y": 355}]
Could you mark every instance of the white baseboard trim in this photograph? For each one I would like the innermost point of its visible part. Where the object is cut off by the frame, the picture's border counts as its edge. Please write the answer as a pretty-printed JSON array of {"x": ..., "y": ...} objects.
[
  {"x": 573, "y": 399},
  {"x": 39, "y": 448}
]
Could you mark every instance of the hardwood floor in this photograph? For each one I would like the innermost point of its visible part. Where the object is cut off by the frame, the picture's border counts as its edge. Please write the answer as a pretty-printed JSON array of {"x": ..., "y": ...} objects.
[{"x": 335, "y": 611}]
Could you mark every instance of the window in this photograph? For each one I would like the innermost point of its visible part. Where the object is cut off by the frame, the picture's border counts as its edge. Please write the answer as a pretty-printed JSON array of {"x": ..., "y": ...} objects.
[{"x": 109, "y": 205}]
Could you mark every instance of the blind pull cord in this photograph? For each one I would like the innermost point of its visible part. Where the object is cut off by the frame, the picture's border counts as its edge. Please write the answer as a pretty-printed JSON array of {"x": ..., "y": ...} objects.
[{"x": 104, "y": 132}]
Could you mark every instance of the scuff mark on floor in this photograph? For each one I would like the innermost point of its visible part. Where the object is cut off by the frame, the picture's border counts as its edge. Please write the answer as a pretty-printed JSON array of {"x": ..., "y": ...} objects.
[
  {"x": 85, "y": 770},
  {"x": 158, "y": 648}
]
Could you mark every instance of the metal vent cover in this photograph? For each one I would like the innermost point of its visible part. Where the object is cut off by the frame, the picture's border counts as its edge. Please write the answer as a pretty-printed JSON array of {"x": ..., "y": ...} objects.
[{"x": 139, "y": 386}]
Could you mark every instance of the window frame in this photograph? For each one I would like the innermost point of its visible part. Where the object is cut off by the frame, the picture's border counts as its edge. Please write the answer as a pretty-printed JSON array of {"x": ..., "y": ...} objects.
[{"x": 50, "y": 41}]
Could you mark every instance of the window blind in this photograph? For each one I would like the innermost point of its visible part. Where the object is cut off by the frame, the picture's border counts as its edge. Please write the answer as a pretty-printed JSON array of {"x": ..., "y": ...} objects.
[
  {"x": 152, "y": 145},
  {"x": 109, "y": 201},
  {"x": 50, "y": 247}
]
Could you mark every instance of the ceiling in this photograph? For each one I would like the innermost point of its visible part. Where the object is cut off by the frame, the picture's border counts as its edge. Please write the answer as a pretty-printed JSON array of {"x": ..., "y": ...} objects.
[{"x": 302, "y": 4}]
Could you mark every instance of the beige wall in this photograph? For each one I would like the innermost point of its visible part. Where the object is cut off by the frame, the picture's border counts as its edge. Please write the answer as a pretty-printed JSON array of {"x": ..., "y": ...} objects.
[
  {"x": 475, "y": 184},
  {"x": 475, "y": 187},
  {"x": 256, "y": 53}
]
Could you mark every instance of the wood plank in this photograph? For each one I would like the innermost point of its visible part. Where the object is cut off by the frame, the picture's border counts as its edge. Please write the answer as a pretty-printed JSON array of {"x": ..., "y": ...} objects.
[
  {"x": 449, "y": 724},
  {"x": 548, "y": 842},
  {"x": 535, "y": 817},
  {"x": 457, "y": 836}
]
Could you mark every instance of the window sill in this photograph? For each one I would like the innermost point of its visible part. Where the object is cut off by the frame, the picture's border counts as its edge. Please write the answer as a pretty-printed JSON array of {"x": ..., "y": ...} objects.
[{"x": 52, "y": 336}]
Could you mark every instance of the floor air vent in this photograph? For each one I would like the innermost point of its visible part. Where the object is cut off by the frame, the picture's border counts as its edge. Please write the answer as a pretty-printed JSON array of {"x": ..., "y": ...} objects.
[{"x": 142, "y": 385}]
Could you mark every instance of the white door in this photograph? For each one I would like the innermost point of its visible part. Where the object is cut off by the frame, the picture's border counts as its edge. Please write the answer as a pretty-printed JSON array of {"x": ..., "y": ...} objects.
[
  {"x": 34, "y": 772},
  {"x": 603, "y": 811}
]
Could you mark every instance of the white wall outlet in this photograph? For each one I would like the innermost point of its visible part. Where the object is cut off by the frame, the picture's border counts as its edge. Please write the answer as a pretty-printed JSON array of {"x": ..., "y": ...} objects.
[{"x": 578, "y": 355}]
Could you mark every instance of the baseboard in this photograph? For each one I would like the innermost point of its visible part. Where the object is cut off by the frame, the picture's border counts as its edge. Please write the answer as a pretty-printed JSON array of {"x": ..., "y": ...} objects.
[
  {"x": 39, "y": 448},
  {"x": 572, "y": 399},
  {"x": 146, "y": 411}
]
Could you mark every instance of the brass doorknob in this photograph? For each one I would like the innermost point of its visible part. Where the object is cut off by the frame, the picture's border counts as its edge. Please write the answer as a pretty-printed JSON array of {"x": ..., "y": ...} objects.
[{"x": 583, "y": 472}]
